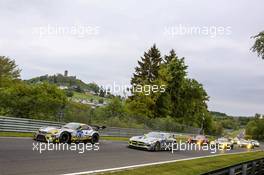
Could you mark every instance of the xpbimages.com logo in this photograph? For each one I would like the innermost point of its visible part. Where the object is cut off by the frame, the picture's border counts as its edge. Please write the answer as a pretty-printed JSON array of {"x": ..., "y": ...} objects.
[
  {"x": 183, "y": 146},
  {"x": 80, "y": 147}
]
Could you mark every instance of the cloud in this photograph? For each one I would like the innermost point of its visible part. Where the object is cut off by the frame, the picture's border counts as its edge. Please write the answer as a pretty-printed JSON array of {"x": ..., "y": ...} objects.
[{"x": 231, "y": 74}]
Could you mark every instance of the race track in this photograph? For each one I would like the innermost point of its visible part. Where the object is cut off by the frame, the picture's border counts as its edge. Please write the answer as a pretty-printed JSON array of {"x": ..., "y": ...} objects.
[{"x": 18, "y": 158}]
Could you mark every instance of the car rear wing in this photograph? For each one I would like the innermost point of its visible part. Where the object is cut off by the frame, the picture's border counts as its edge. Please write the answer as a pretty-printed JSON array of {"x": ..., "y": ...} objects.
[{"x": 96, "y": 127}]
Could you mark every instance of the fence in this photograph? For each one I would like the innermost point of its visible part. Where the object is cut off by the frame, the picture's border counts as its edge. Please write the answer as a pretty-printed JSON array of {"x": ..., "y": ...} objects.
[
  {"x": 255, "y": 167},
  {"x": 11, "y": 124}
]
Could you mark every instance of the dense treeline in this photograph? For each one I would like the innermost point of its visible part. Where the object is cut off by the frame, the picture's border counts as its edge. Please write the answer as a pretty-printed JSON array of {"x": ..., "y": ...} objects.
[
  {"x": 183, "y": 100},
  {"x": 173, "y": 101},
  {"x": 255, "y": 128},
  {"x": 230, "y": 122},
  {"x": 19, "y": 99}
]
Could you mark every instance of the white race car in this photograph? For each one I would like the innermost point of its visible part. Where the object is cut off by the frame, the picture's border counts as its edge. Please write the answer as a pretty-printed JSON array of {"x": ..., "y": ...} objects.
[
  {"x": 223, "y": 143},
  {"x": 71, "y": 132},
  {"x": 153, "y": 141},
  {"x": 245, "y": 144},
  {"x": 255, "y": 143}
]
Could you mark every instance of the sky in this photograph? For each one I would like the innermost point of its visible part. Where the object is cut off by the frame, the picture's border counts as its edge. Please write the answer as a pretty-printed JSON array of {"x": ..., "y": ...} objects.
[{"x": 101, "y": 41}]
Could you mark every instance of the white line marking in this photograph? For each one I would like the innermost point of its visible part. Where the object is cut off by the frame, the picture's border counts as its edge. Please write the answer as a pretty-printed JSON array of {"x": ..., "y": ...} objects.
[{"x": 148, "y": 164}]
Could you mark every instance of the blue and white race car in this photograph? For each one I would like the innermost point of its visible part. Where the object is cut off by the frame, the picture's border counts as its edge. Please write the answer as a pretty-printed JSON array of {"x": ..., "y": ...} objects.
[
  {"x": 71, "y": 132},
  {"x": 153, "y": 141}
]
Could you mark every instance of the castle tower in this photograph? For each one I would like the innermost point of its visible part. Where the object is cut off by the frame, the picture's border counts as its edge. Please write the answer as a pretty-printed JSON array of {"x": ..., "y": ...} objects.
[{"x": 65, "y": 73}]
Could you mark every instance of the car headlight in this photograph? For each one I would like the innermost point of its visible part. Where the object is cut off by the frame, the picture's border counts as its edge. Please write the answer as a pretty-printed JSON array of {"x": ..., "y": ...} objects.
[{"x": 249, "y": 146}]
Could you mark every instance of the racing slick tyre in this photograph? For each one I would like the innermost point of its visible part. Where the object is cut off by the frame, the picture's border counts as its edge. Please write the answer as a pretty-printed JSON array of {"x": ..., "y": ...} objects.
[
  {"x": 65, "y": 137},
  {"x": 232, "y": 146},
  {"x": 156, "y": 146},
  {"x": 95, "y": 138}
]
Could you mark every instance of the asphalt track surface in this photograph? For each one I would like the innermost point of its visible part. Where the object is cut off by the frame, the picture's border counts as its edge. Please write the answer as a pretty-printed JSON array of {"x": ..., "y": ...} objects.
[{"x": 18, "y": 158}]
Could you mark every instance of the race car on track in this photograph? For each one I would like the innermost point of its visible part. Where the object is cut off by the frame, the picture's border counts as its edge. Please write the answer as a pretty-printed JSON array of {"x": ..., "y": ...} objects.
[
  {"x": 255, "y": 143},
  {"x": 223, "y": 143},
  {"x": 245, "y": 144},
  {"x": 199, "y": 139},
  {"x": 153, "y": 141},
  {"x": 71, "y": 132}
]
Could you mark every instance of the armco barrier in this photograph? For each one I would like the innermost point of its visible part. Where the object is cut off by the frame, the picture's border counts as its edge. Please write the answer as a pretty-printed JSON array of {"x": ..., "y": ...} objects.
[
  {"x": 255, "y": 167},
  {"x": 12, "y": 124}
]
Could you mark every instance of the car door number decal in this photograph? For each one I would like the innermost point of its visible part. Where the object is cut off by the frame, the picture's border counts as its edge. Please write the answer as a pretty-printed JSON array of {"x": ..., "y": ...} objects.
[{"x": 79, "y": 133}]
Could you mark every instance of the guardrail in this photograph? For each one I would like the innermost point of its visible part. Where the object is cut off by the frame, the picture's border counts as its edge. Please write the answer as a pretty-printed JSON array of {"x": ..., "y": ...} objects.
[
  {"x": 12, "y": 124},
  {"x": 255, "y": 167}
]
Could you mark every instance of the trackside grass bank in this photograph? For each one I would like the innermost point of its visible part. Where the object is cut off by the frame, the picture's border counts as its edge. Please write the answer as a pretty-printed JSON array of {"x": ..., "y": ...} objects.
[
  {"x": 192, "y": 167},
  {"x": 18, "y": 134},
  {"x": 15, "y": 134},
  {"x": 112, "y": 138}
]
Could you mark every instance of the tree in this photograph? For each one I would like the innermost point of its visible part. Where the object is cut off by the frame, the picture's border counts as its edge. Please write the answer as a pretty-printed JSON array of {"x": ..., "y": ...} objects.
[
  {"x": 184, "y": 99},
  {"x": 255, "y": 129},
  {"x": 40, "y": 101},
  {"x": 93, "y": 87},
  {"x": 148, "y": 67},
  {"x": 173, "y": 74},
  {"x": 102, "y": 92},
  {"x": 169, "y": 58},
  {"x": 259, "y": 44},
  {"x": 115, "y": 108},
  {"x": 146, "y": 75},
  {"x": 8, "y": 71},
  {"x": 69, "y": 93},
  {"x": 78, "y": 112}
]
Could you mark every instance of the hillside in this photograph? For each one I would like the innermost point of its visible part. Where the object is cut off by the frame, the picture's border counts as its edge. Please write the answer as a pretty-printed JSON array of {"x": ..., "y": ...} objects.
[
  {"x": 67, "y": 82},
  {"x": 81, "y": 92}
]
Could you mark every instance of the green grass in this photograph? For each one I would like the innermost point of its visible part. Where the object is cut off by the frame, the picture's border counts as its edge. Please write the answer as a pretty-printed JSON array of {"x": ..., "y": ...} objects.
[
  {"x": 88, "y": 96},
  {"x": 18, "y": 134},
  {"x": 15, "y": 134},
  {"x": 192, "y": 167}
]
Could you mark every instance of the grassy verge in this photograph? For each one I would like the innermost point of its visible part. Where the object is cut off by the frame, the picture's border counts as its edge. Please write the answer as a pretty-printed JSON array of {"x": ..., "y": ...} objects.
[
  {"x": 15, "y": 134},
  {"x": 192, "y": 167},
  {"x": 88, "y": 97},
  {"x": 18, "y": 134}
]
